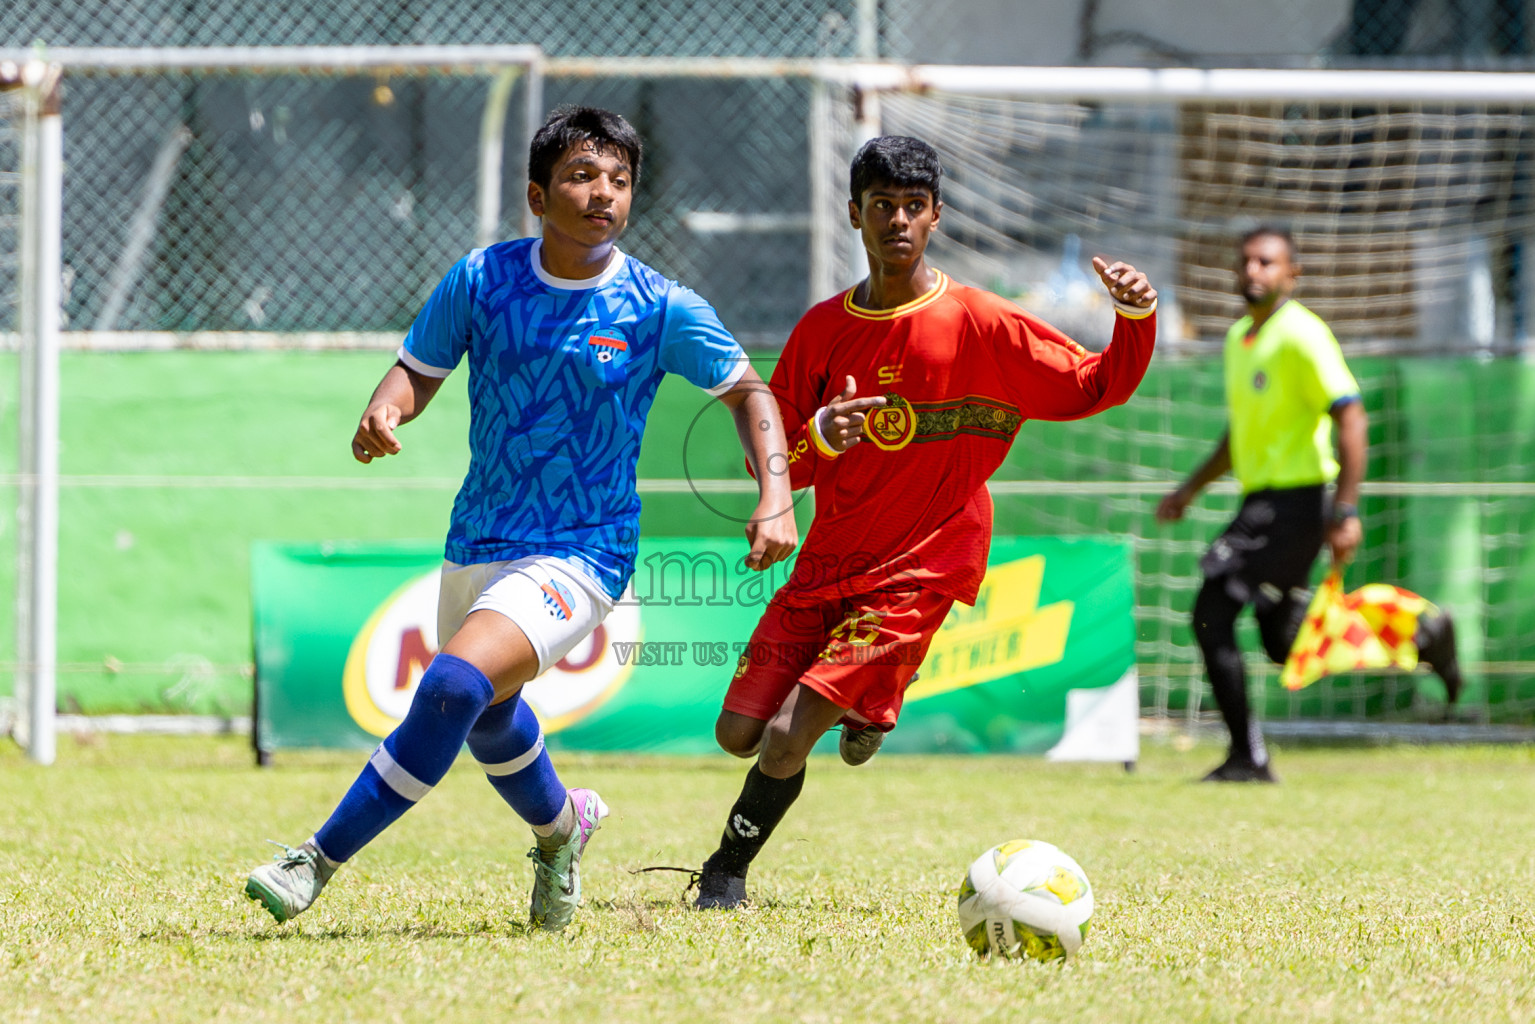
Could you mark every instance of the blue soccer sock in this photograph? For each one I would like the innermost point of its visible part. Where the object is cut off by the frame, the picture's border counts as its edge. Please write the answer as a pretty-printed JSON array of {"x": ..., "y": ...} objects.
[
  {"x": 412, "y": 759},
  {"x": 509, "y": 744}
]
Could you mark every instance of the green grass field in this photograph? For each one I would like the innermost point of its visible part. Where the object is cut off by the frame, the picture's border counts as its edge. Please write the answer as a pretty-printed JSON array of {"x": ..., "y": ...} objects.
[{"x": 1373, "y": 885}]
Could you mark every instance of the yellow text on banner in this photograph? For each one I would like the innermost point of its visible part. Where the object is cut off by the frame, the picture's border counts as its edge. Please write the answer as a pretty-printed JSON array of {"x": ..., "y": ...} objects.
[{"x": 1004, "y": 634}]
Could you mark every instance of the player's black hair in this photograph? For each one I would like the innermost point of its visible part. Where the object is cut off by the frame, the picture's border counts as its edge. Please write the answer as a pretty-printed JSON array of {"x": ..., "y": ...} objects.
[
  {"x": 896, "y": 160},
  {"x": 1272, "y": 231},
  {"x": 569, "y": 124}
]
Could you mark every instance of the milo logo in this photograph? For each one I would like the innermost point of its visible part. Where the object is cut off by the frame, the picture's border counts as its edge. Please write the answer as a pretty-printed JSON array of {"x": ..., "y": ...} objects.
[{"x": 392, "y": 650}]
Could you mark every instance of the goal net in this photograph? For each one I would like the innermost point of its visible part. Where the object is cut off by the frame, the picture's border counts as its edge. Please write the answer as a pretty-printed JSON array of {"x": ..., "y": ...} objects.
[
  {"x": 247, "y": 232},
  {"x": 281, "y": 190},
  {"x": 1413, "y": 220},
  {"x": 246, "y": 199}
]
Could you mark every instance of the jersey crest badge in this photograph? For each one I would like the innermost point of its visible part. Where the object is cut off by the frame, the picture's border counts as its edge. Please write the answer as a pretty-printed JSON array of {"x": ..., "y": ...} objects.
[
  {"x": 607, "y": 342},
  {"x": 1260, "y": 380},
  {"x": 892, "y": 426}
]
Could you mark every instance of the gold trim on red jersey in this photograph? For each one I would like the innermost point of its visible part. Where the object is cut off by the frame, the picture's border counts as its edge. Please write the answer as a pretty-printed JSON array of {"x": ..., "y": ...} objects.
[
  {"x": 901, "y": 422},
  {"x": 1135, "y": 312},
  {"x": 919, "y": 302},
  {"x": 976, "y": 415}
]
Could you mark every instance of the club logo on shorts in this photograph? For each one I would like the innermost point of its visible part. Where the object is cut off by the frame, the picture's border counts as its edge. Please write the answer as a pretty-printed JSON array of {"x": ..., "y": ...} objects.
[
  {"x": 607, "y": 342},
  {"x": 558, "y": 600},
  {"x": 892, "y": 426}
]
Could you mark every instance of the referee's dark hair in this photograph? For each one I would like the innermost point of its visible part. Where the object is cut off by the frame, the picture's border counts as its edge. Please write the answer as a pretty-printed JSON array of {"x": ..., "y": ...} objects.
[
  {"x": 569, "y": 124},
  {"x": 896, "y": 160},
  {"x": 1273, "y": 231}
]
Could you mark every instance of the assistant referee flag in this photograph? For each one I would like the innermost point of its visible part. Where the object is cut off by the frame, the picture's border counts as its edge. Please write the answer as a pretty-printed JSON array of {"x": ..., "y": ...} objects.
[{"x": 1373, "y": 627}]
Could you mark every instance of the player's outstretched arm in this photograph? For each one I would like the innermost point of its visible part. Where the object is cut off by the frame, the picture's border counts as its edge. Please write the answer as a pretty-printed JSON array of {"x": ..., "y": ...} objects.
[
  {"x": 399, "y": 398},
  {"x": 771, "y": 532},
  {"x": 1172, "y": 506},
  {"x": 1054, "y": 378},
  {"x": 1119, "y": 368}
]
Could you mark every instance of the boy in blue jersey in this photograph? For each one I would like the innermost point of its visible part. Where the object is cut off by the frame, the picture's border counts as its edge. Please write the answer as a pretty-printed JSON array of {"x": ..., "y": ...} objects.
[{"x": 567, "y": 339}]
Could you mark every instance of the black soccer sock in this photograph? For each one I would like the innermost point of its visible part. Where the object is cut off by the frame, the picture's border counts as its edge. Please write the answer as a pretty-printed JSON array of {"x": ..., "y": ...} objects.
[
  {"x": 758, "y": 810},
  {"x": 1215, "y": 614}
]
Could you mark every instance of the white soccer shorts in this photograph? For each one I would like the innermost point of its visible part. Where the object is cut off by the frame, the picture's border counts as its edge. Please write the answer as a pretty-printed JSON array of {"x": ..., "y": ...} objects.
[{"x": 555, "y": 604}]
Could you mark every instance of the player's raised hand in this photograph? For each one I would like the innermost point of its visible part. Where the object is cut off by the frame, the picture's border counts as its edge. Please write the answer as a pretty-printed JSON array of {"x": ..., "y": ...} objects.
[
  {"x": 1125, "y": 283},
  {"x": 375, "y": 434},
  {"x": 841, "y": 422}
]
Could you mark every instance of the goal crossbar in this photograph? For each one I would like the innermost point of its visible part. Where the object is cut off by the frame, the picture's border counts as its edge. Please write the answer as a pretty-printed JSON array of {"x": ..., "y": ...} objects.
[
  {"x": 1157, "y": 84},
  {"x": 298, "y": 59},
  {"x": 1067, "y": 82}
]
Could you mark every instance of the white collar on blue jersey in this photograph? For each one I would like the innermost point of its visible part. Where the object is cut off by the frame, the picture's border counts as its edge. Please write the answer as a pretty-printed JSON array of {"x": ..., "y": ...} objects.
[{"x": 615, "y": 263}]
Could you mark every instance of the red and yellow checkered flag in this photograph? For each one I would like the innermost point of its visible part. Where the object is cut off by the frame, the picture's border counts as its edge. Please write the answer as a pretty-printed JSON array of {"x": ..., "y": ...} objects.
[{"x": 1372, "y": 627}]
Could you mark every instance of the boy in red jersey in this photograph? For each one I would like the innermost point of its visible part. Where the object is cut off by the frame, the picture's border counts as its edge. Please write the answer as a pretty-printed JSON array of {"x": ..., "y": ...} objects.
[{"x": 903, "y": 519}]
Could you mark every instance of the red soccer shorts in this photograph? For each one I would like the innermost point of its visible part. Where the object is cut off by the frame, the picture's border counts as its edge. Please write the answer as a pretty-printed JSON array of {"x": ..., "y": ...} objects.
[{"x": 860, "y": 653}]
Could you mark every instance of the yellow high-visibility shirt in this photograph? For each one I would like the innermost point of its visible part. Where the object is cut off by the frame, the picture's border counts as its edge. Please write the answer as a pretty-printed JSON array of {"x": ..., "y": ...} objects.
[{"x": 1281, "y": 387}]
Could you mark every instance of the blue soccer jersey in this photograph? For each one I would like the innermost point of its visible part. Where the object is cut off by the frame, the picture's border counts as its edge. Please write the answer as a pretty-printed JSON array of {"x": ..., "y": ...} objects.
[{"x": 561, "y": 376}]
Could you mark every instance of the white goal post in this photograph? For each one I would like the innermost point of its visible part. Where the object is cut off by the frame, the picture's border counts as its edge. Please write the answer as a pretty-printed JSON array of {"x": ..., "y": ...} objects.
[{"x": 33, "y": 106}]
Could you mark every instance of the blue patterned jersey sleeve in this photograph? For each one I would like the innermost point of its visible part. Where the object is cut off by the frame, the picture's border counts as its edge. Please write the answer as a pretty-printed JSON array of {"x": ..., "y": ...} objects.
[
  {"x": 696, "y": 345},
  {"x": 440, "y": 334}
]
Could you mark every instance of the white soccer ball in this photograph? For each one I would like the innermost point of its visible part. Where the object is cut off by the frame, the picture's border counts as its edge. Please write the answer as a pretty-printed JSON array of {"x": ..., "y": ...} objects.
[{"x": 1025, "y": 898}]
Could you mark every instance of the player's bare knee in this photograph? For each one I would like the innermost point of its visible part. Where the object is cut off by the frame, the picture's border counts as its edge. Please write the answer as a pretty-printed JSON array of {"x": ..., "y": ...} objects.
[
  {"x": 783, "y": 752},
  {"x": 738, "y": 746},
  {"x": 741, "y": 737},
  {"x": 780, "y": 763}
]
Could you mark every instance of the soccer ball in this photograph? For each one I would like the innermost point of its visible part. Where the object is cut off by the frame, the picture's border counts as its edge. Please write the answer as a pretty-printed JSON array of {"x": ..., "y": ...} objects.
[{"x": 1025, "y": 898}]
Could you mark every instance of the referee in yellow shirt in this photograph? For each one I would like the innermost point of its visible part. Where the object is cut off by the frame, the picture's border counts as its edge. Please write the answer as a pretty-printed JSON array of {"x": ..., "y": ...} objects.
[{"x": 1287, "y": 388}]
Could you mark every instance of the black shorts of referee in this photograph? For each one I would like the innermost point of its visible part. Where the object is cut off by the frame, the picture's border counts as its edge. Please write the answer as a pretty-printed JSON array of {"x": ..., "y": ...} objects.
[{"x": 1264, "y": 558}]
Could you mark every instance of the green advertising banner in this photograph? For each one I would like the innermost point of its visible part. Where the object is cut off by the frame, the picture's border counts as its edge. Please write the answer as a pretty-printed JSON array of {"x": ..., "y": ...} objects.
[{"x": 1043, "y": 664}]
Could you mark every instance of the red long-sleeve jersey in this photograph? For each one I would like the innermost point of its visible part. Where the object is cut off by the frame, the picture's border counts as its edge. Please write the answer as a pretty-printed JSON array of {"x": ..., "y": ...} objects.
[{"x": 961, "y": 370}]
